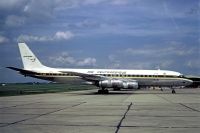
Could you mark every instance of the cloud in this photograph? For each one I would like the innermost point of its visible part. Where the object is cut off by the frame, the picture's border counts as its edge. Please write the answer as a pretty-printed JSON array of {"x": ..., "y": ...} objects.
[
  {"x": 193, "y": 11},
  {"x": 78, "y": 3},
  {"x": 165, "y": 64},
  {"x": 21, "y": 12},
  {"x": 119, "y": 2},
  {"x": 170, "y": 15},
  {"x": 13, "y": 20},
  {"x": 58, "y": 36},
  {"x": 95, "y": 2},
  {"x": 87, "y": 23},
  {"x": 39, "y": 11},
  {"x": 92, "y": 2},
  {"x": 63, "y": 35},
  {"x": 87, "y": 62},
  {"x": 3, "y": 39},
  {"x": 11, "y": 4},
  {"x": 193, "y": 64},
  {"x": 114, "y": 62},
  {"x": 138, "y": 30},
  {"x": 171, "y": 55},
  {"x": 172, "y": 49},
  {"x": 64, "y": 59}
]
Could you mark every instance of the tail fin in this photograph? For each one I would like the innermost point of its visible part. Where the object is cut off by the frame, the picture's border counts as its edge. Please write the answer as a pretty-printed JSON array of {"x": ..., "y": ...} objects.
[{"x": 30, "y": 61}]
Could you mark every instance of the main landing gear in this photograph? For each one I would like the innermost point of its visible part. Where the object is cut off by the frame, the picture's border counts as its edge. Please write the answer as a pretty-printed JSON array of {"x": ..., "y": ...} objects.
[{"x": 103, "y": 91}]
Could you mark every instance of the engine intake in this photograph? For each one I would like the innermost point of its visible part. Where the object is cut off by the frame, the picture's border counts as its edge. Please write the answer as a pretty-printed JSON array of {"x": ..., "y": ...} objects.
[{"x": 118, "y": 84}]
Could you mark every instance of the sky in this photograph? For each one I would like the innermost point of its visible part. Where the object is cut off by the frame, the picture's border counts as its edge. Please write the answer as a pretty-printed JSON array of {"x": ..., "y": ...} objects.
[{"x": 121, "y": 34}]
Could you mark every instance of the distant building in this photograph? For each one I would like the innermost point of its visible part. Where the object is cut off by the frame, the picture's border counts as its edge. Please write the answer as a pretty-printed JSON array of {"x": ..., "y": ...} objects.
[{"x": 196, "y": 81}]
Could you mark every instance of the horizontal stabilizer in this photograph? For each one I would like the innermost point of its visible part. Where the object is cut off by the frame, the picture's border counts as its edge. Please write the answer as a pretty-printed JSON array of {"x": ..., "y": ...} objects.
[{"x": 22, "y": 71}]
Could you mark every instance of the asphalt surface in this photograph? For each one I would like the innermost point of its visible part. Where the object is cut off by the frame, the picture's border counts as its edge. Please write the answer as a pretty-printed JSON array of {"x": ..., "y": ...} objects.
[{"x": 87, "y": 112}]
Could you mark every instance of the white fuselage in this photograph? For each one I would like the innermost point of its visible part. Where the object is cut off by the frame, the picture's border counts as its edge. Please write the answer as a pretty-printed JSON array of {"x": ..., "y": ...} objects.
[{"x": 143, "y": 77}]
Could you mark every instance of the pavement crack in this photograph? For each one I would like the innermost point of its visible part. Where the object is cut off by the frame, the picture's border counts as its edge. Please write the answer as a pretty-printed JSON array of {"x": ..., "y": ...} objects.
[
  {"x": 169, "y": 101},
  {"x": 124, "y": 116},
  {"x": 34, "y": 117},
  {"x": 189, "y": 107}
]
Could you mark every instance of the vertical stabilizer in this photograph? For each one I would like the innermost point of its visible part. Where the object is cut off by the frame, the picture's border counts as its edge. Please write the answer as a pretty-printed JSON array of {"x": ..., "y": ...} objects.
[{"x": 30, "y": 61}]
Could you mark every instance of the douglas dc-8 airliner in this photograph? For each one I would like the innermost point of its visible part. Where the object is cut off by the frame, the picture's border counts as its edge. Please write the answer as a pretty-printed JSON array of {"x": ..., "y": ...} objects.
[{"x": 118, "y": 79}]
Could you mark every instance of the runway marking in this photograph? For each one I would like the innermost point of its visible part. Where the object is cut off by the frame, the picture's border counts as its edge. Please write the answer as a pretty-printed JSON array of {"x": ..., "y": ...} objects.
[
  {"x": 34, "y": 117},
  {"x": 189, "y": 107},
  {"x": 124, "y": 116}
]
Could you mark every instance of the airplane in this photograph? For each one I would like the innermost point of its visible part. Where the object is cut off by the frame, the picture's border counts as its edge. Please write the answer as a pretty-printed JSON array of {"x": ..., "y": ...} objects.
[{"x": 118, "y": 79}]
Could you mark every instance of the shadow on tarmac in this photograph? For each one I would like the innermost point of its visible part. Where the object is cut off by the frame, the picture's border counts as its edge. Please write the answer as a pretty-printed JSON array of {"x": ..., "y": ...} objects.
[{"x": 137, "y": 92}]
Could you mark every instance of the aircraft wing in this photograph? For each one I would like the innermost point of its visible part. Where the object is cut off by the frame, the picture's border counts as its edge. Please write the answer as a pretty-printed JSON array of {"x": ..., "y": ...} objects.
[
  {"x": 92, "y": 77},
  {"x": 89, "y": 77}
]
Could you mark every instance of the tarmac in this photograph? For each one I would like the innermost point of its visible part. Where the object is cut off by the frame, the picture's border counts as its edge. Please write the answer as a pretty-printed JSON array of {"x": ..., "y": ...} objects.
[{"x": 143, "y": 111}]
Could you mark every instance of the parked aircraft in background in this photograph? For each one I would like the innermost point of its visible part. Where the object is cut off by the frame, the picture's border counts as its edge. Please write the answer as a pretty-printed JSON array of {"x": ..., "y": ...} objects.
[{"x": 118, "y": 79}]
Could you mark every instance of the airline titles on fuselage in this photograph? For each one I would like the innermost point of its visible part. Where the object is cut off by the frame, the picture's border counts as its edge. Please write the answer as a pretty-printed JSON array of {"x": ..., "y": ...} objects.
[{"x": 108, "y": 72}]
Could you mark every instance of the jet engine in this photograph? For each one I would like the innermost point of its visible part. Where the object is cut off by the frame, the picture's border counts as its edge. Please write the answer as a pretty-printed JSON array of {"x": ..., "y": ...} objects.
[{"x": 114, "y": 83}]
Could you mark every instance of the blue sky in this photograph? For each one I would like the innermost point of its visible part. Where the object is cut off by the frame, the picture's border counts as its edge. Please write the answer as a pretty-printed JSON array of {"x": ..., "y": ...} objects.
[{"x": 126, "y": 34}]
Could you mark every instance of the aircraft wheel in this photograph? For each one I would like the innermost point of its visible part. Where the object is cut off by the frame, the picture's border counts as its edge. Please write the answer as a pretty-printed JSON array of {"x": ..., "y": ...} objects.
[{"x": 103, "y": 91}]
